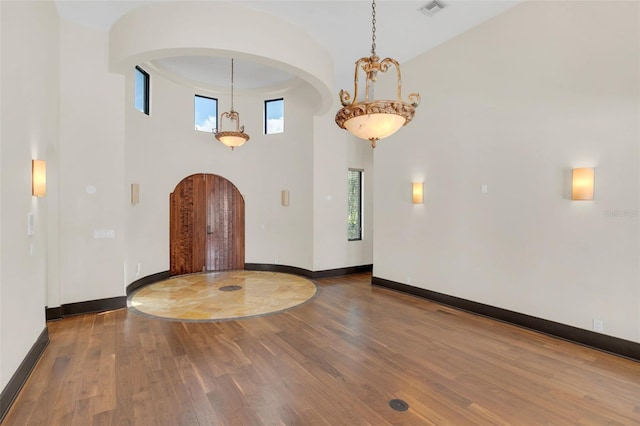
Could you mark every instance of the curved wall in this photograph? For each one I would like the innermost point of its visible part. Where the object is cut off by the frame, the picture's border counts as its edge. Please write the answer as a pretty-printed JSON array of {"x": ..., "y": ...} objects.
[{"x": 163, "y": 148}]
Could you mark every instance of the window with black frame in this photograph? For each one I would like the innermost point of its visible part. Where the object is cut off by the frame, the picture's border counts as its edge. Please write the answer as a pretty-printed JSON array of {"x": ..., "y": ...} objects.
[
  {"x": 273, "y": 116},
  {"x": 205, "y": 113},
  {"x": 354, "y": 201},
  {"x": 142, "y": 86}
]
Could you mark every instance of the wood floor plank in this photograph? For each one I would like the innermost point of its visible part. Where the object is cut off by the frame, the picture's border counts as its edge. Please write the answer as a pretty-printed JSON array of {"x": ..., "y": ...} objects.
[{"x": 337, "y": 360}]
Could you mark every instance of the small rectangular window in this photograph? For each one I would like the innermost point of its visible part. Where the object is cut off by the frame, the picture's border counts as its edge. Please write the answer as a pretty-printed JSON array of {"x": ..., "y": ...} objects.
[
  {"x": 354, "y": 221},
  {"x": 274, "y": 116},
  {"x": 142, "y": 90},
  {"x": 205, "y": 113}
]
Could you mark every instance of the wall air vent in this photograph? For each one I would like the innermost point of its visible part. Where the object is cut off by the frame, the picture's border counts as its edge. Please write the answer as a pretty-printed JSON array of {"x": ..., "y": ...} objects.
[{"x": 432, "y": 7}]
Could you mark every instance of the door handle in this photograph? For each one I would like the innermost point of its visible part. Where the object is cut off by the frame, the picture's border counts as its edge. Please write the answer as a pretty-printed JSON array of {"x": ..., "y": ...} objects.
[{"x": 209, "y": 230}]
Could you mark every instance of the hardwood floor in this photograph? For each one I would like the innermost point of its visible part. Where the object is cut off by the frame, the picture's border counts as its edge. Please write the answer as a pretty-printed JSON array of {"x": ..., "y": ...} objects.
[{"x": 337, "y": 360}]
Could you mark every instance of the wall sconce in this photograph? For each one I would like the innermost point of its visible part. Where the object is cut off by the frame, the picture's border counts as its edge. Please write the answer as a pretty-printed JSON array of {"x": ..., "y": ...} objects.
[
  {"x": 135, "y": 194},
  {"x": 38, "y": 178},
  {"x": 418, "y": 192},
  {"x": 582, "y": 182},
  {"x": 285, "y": 197}
]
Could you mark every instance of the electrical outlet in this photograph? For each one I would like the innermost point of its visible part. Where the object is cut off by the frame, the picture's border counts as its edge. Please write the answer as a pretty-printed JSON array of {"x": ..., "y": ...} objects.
[{"x": 598, "y": 325}]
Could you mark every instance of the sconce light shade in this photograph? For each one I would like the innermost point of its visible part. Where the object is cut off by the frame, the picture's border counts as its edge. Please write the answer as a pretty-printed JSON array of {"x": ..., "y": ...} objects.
[
  {"x": 285, "y": 197},
  {"x": 582, "y": 183},
  {"x": 38, "y": 178},
  {"x": 418, "y": 193},
  {"x": 135, "y": 193}
]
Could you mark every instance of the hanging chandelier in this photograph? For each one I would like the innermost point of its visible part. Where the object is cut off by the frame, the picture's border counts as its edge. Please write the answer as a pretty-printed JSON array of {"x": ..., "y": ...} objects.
[
  {"x": 231, "y": 138},
  {"x": 375, "y": 119}
]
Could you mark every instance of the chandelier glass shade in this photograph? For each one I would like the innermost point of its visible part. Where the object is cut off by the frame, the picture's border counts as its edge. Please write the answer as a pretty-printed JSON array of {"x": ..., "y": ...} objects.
[
  {"x": 369, "y": 118},
  {"x": 231, "y": 138}
]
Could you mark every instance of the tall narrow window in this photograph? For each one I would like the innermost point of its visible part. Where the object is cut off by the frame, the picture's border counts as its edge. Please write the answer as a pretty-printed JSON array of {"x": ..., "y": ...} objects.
[
  {"x": 205, "y": 113},
  {"x": 142, "y": 90},
  {"x": 354, "y": 221},
  {"x": 273, "y": 116}
]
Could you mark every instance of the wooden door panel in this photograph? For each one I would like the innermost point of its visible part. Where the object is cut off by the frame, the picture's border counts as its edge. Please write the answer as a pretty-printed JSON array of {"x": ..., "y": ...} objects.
[
  {"x": 238, "y": 231},
  {"x": 181, "y": 228},
  {"x": 206, "y": 225},
  {"x": 225, "y": 205},
  {"x": 199, "y": 232}
]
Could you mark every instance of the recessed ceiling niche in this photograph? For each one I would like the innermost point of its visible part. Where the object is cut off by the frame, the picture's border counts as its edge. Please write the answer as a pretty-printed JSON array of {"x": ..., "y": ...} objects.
[{"x": 213, "y": 71}]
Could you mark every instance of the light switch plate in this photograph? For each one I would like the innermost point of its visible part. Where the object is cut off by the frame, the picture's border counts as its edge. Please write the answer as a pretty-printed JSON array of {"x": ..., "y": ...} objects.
[{"x": 104, "y": 233}]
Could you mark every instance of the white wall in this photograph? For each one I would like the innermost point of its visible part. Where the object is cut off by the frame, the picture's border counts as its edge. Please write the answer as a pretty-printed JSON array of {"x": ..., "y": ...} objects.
[
  {"x": 29, "y": 105},
  {"x": 514, "y": 104},
  {"x": 91, "y": 155},
  {"x": 334, "y": 152}
]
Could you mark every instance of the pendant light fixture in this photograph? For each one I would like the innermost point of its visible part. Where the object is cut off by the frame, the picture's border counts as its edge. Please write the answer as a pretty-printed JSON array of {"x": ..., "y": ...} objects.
[
  {"x": 231, "y": 138},
  {"x": 375, "y": 119}
]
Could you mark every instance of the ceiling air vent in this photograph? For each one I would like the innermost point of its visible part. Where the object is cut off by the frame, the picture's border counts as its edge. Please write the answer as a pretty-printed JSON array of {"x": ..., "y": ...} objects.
[{"x": 432, "y": 7}]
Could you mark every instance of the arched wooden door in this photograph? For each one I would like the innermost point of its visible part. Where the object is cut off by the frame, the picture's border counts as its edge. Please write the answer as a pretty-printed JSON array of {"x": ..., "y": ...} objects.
[{"x": 206, "y": 225}]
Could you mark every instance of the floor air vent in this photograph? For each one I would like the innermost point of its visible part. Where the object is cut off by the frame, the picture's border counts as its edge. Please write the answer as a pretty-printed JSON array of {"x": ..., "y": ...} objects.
[{"x": 398, "y": 405}]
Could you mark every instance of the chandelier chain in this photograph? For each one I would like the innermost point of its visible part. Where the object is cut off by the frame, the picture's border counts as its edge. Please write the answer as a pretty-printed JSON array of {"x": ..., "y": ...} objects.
[
  {"x": 373, "y": 24},
  {"x": 231, "y": 84}
]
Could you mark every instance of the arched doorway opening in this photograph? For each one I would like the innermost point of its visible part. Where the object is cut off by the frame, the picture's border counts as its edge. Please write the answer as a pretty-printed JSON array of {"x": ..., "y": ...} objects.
[{"x": 206, "y": 225}]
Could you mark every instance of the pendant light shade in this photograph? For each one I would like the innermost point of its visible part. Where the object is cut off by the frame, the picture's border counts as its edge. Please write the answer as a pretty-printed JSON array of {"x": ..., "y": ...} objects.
[
  {"x": 375, "y": 119},
  {"x": 374, "y": 125},
  {"x": 231, "y": 138}
]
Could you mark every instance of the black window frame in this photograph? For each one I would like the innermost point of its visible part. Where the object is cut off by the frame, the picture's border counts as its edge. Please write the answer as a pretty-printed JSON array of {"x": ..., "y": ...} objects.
[
  {"x": 266, "y": 102},
  {"x": 194, "y": 111},
  {"x": 360, "y": 174},
  {"x": 147, "y": 86}
]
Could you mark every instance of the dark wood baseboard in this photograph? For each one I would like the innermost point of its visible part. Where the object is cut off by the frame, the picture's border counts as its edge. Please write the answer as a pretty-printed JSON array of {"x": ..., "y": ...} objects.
[
  {"x": 88, "y": 307},
  {"x": 53, "y": 313},
  {"x": 277, "y": 268},
  {"x": 145, "y": 281},
  {"x": 614, "y": 345},
  {"x": 327, "y": 273},
  {"x": 11, "y": 390}
]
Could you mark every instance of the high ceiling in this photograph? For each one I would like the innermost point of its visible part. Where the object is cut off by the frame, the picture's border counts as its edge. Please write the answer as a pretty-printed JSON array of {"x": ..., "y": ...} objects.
[{"x": 343, "y": 28}]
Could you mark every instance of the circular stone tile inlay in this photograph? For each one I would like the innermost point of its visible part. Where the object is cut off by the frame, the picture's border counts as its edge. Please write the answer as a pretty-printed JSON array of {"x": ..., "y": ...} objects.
[{"x": 226, "y": 295}]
